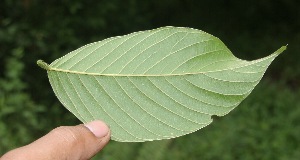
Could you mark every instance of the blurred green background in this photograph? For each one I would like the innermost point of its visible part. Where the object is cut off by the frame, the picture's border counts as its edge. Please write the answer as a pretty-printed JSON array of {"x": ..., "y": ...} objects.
[{"x": 265, "y": 126}]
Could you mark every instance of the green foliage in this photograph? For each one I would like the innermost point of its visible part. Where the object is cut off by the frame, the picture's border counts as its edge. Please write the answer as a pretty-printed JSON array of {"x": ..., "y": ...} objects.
[
  {"x": 49, "y": 29},
  {"x": 155, "y": 84},
  {"x": 16, "y": 108}
]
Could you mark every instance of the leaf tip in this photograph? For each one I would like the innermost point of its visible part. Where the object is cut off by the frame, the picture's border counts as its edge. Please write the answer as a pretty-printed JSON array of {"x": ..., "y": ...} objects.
[
  {"x": 281, "y": 49},
  {"x": 43, "y": 65}
]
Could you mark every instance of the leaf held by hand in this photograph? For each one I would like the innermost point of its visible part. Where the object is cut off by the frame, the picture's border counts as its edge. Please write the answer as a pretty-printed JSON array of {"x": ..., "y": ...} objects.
[{"x": 155, "y": 84}]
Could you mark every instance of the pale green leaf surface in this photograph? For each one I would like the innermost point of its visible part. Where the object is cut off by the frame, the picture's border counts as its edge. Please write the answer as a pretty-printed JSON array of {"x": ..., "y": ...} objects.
[{"x": 155, "y": 84}]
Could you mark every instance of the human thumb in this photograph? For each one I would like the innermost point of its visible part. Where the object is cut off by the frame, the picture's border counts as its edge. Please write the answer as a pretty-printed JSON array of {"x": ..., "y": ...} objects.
[{"x": 79, "y": 142}]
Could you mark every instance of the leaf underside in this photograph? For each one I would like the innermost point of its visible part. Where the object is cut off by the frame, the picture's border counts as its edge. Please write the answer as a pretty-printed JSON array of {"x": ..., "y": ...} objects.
[{"x": 155, "y": 84}]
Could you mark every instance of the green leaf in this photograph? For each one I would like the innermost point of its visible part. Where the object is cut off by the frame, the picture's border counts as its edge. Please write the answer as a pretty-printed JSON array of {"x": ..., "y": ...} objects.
[{"x": 155, "y": 84}]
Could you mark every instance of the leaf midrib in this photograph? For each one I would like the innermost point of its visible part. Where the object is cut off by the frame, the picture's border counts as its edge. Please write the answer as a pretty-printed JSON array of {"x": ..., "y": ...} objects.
[{"x": 142, "y": 75}]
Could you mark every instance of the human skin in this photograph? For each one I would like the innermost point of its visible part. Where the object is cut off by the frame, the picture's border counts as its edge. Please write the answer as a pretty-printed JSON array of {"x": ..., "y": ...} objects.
[{"x": 79, "y": 142}]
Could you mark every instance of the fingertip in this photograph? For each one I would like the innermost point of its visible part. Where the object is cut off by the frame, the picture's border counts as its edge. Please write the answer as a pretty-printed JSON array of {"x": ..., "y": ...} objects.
[{"x": 98, "y": 128}]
